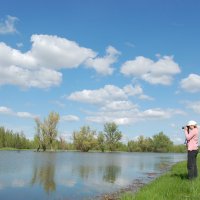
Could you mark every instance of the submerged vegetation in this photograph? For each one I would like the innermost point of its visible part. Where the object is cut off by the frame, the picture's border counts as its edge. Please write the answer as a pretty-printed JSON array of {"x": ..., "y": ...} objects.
[{"x": 85, "y": 139}]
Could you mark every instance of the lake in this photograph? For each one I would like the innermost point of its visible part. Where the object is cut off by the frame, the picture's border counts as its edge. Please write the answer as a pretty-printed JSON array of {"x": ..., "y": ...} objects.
[{"x": 28, "y": 175}]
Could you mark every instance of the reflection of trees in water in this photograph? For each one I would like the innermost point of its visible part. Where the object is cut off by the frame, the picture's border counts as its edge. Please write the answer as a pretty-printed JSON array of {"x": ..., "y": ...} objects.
[
  {"x": 44, "y": 172},
  {"x": 162, "y": 165},
  {"x": 111, "y": 173},
  {"x": 84, "y": 171}
]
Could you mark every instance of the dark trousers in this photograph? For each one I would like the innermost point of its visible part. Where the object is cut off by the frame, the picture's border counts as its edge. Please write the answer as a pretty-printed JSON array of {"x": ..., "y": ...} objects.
[{"x": 192, "y": 164}]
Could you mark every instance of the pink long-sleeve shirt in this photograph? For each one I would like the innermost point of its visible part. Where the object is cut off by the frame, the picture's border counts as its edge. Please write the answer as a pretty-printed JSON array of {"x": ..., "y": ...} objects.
[{"x": 192, "y": 139}]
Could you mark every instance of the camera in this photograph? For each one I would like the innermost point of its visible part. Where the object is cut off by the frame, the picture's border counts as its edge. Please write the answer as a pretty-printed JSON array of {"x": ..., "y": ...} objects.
[{"x": 183, "y": 127}]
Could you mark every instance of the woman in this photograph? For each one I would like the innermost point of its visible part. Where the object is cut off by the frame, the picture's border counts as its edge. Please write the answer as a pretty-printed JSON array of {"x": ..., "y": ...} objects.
[{"x": 191, "y": 134}]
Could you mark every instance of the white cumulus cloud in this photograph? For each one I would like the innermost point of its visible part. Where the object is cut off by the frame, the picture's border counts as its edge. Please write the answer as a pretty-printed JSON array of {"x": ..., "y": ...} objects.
[
  {"x": 158, "y": 113},
  {"x": 107, "y": 94},
  {"x": 5, "y": 110},
  {"x": 191, "y": 83},
  {"x": 104, "y": 117},
  {"x": 118, "y": 105},
  {"x": 57, "y": 53},
  {"x": 25, "y": 115},
  {"x": 114, "y": 105},
  {"x": 39, "y": 67},
  {"x": 8, "y": 111},
  {"x": 159, "y": 72},
  {"x": 41, "y": 78},
  {"x": 69, "y": 118},
  {"x": 104, "y": 65},
  {"x": 99, "y": 96},
  {"x": 133, "y": 115}
]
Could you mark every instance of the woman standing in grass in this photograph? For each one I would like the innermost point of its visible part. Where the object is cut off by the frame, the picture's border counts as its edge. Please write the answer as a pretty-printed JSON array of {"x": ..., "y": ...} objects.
[{"x": 191, "y": 134}]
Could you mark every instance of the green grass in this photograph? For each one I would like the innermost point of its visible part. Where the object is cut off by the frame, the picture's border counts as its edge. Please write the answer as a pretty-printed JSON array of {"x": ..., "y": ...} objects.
[
  {"x": 13, "y": 149},
  {"x": 7, "y": 149},
  {"x": 173, "y": 185}
]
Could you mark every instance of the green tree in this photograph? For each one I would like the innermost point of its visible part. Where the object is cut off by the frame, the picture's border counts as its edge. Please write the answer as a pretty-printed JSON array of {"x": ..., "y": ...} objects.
[
  {"x": 50, "y": 127},
  {"x": 2, "y": 137},
  {"x": 181, "y": 148},
  {"x": 112, "y": 134},
  {"x": 161, "y": 143},
  {"x": 145, "y": 144},
  {"x": 62, "y": 143},
  {"x": 84, "y": 140},
  {"x": 47, "y": 131},
  {"x": 101, "y": 141},
  {"x": 132, "y": 146},
  {"x": 142, "y": 143},
  {"x": 149, "y": 142},
  {"x": 40, "y": 137},
  {"x": 121, "y": 146},
  {"x": 13, "y": 140}
]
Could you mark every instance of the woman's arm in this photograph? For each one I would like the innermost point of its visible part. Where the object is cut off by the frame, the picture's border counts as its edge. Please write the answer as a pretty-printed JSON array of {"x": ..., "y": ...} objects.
[{"x": 191, "y": 133}]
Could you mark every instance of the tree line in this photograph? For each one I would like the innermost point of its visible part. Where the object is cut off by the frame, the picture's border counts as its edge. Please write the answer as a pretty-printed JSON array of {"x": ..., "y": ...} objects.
[
  {"x": 14, "y": 140},
  {"x": 85, "y": 139}
]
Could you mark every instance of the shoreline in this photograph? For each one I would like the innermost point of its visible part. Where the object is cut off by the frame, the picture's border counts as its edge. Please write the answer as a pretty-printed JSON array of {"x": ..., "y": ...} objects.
[
  {"x": 135, "y": 186},
  {"x": 173, "y": 184}
]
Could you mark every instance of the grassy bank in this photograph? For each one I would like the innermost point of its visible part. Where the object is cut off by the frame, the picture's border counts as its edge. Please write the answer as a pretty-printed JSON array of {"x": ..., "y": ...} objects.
[
  {"x": 173, "y": 185},
  {"x": 14, "y": 149},
  {"x": 8, "y": 149}
]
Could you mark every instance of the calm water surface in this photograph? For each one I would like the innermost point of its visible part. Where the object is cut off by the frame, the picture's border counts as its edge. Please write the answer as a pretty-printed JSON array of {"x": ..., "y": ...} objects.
[{"x": 28, "y": 175}]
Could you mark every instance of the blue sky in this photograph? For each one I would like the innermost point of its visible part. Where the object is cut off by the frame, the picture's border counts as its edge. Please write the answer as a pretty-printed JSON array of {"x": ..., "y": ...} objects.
[{"x": 134, "y": 62}]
